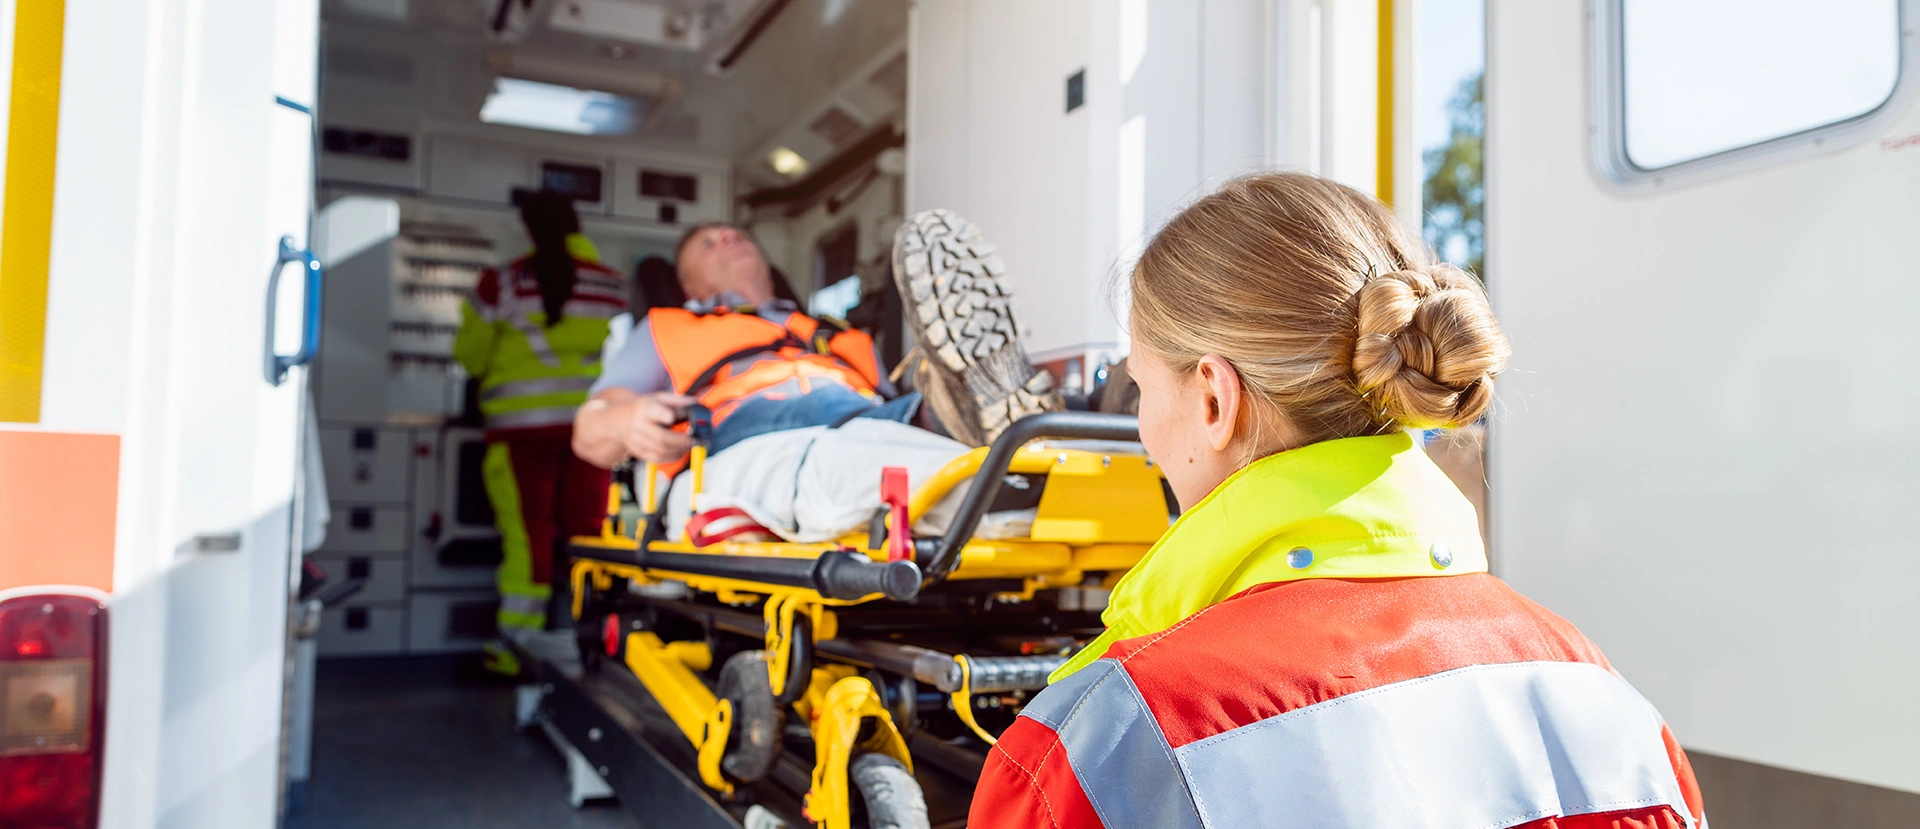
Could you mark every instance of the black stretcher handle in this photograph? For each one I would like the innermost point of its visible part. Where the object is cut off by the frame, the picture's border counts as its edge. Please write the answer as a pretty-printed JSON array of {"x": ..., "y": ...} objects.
[
  {"x": 841, "y": 574},
  {"x": 993, "y": 471},
  {"x": 837, "y": 574}
]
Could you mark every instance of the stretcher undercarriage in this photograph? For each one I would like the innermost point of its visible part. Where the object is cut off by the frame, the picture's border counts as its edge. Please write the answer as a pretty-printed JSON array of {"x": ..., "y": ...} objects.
[{"x": 852, "y": 683}]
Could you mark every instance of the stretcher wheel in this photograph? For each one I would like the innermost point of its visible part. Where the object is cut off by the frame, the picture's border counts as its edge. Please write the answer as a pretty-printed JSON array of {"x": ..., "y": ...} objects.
[
  {"x": 894, "y": 799},
  {"x": 753, "y": 743},
  {"x": 799, "y": 663},
  {"x": 589, "y": 630},
  {"x": 900, "y": 694}
]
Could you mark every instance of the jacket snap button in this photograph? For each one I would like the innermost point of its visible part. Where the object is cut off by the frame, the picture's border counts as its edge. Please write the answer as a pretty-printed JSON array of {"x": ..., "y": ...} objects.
[
  {"x": 1442, "y": 555},
  {"x": 1299, "y": 558}
]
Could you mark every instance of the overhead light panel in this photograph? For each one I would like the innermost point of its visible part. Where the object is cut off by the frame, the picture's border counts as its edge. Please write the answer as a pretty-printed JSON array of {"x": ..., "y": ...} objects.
[
  {"x": 545, "y": 106},
  {"x": 786, "y": 162}
]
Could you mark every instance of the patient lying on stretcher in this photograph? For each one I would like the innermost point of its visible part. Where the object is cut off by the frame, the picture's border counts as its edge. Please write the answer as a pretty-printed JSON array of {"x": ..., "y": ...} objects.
[{"x": 760, "y": 366}]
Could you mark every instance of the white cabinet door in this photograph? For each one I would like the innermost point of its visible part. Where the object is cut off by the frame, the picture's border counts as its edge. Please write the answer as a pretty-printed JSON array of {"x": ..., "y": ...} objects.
[{"x": 1706, "y": 454}]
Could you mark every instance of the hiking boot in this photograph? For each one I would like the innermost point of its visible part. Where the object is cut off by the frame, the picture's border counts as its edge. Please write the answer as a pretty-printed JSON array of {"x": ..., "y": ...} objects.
[
  {"x": 1120, "y": 395},
  {"x": 948, "y": 407},
  {"x": 959, "y": 300}
]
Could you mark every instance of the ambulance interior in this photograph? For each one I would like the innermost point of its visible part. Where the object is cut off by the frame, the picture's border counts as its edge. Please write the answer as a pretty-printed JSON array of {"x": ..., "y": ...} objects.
[
  {"x": 1069, "y": 130},
  {"x": 786, "y": 116}
]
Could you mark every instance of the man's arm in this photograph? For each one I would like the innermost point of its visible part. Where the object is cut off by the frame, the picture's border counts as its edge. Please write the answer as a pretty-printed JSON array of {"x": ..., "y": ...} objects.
[
  {"x": 619, "y": 423},
  {"x": 633, "y": 408}
]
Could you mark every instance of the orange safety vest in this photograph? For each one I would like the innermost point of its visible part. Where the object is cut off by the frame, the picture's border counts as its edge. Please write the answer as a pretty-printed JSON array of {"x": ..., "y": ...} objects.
[{"x": 699, "y": 352}]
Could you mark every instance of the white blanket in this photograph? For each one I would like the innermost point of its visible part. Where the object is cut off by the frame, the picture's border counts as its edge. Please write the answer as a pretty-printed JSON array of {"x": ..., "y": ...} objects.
[{"x": 818, "y": 484}]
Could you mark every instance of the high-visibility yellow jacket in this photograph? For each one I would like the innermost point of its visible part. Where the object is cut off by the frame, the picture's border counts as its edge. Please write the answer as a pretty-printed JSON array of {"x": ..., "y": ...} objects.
[
  {"x": 1318, "y": 642},
  {"x": 533, "y": 375}
]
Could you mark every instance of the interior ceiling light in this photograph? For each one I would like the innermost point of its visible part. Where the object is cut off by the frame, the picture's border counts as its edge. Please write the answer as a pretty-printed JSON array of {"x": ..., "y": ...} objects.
[
  {"x": 786, "y": 162},
  {"x": 545, "y": 106}
]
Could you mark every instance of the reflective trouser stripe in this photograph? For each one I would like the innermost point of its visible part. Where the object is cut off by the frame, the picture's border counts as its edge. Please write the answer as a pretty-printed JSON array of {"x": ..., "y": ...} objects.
[
  {"x": 537, "y": 385},
  {"x": 523, "y": 604},
  {"x": 522, "y": 612}
]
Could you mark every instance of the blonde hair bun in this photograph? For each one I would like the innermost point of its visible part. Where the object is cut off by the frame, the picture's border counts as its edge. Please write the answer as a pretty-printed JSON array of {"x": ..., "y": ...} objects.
[
  {"x": 1426, "y": 348},
  {"x": 1333, "y": 313}
]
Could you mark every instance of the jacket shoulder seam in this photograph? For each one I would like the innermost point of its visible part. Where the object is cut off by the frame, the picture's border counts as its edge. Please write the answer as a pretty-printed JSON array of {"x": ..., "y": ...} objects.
[{"x": 1033, "y": 779}]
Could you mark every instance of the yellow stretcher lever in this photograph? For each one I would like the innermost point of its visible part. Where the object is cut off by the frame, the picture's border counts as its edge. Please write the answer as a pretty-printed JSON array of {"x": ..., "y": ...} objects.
[{"x": 963, "y": 700}]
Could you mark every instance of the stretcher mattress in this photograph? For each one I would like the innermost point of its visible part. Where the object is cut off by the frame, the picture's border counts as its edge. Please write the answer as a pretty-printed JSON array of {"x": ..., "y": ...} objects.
[{"x": 821, "y": 483}]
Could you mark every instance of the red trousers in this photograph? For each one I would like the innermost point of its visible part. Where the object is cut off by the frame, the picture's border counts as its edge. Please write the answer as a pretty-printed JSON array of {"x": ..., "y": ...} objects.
[{"x": 541, "y": 494}]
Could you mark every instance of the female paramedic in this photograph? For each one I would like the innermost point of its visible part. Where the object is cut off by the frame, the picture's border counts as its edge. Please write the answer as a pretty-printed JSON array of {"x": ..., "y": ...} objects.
[
  {"x": 1316, "y": 641},
  {"x": 532, "y": 336}
]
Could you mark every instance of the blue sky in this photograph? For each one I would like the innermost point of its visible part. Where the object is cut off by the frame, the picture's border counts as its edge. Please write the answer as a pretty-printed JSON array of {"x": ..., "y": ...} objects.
[{"x": 1452, "y": 46}]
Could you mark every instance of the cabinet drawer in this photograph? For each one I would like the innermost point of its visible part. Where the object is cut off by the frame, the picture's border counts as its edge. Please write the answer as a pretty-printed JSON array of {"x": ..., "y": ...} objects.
[
  {"x": 366, "y": 463},
  {"x": 365, "y": 528},
  {"x": 355, "y": 629},
  {"x": 386, "y": 575},
  {"x": 451, "y": 622}
]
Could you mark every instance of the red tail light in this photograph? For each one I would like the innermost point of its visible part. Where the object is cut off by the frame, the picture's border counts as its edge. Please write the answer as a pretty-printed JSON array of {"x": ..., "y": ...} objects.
[{"x": 53, "y": 650}]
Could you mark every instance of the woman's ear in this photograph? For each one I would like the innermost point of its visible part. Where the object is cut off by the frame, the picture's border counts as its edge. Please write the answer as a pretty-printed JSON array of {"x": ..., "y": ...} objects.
[{"x": 1223, "y": 394}]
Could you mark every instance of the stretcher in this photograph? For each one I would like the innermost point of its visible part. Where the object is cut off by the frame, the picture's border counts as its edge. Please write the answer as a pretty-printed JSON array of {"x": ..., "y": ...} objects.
[{"x": 868, "y": 658}]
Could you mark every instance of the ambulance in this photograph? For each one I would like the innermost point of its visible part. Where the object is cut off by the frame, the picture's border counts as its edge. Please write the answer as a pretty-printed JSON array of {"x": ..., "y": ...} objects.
[{"x": 236, "y": 454}]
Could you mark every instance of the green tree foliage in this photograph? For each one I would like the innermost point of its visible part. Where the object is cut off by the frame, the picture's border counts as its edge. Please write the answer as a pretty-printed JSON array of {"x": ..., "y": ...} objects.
[{"x": 1455, "y": 200}]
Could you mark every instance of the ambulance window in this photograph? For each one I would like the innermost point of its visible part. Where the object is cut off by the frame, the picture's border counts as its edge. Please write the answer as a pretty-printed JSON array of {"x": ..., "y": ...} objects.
[
  {"x": 1698, "y": 78},
  {"x": 836, "y": 256}
]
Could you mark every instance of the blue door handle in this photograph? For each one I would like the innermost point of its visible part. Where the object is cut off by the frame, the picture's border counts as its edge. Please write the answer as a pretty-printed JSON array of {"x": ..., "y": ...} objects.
[{"x": 277, "y": 363}]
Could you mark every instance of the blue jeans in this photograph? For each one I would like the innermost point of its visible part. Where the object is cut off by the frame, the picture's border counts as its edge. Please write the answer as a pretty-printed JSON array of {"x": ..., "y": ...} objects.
[{"x": 826, "y": 405}]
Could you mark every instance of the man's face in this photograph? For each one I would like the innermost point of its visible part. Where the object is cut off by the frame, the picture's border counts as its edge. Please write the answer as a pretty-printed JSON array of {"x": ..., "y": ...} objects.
[{"x": 722, "y": 259}]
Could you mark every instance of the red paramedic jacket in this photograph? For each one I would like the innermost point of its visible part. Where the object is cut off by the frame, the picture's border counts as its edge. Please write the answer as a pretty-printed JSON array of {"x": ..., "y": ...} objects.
[{"x": 1409, "y": 702}]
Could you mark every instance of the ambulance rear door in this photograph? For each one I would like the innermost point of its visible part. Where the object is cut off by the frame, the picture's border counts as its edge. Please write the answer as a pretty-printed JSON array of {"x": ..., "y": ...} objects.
[{"x": 1700, "y": 240}]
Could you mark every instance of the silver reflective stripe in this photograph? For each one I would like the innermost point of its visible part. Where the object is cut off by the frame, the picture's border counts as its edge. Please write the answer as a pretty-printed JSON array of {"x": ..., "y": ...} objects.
[
  {"x": 536, "y": 340},
  {"x": 577, "y": 309},
  {"x": 1052, "y": 705},
  {"x": 542, "y": 385},
  {"x": 510, "y": 603},
  {"x": 550, "y": 416},
  {"x": 1484, "y": 746},
  {"x": 1115, "y": 748}
]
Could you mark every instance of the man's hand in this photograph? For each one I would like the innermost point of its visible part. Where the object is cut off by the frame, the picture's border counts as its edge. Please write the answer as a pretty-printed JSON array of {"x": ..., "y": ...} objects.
[
  {"x": 649, "y": 435},
  {"x": 618, "y": 424}
]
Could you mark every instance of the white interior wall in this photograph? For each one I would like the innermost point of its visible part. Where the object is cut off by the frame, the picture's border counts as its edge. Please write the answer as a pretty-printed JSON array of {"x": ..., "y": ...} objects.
[
  {"x": 1350, "y": 61},
  {"x": 789, "y": 242},
  {"x": 1179, "y": 95}
]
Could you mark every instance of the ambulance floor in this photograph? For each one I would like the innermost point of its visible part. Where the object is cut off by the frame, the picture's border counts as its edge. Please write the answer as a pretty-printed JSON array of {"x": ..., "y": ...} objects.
[{"x": 407, "y": 743}]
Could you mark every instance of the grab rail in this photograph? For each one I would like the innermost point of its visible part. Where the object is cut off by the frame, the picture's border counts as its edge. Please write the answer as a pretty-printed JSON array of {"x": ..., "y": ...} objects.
[{"x": 944, "y": 554}]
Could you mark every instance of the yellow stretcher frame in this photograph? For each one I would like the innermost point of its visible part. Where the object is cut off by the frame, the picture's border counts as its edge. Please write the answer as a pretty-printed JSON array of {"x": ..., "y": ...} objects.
[{"x": 1100, "y": 511}]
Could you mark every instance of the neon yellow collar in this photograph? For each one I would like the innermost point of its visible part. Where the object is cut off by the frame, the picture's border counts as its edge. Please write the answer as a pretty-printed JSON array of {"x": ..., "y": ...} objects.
[
  {"x": 1355, "y": 508},
  {"x": 582, "y": 248},
  {"x": 579, "y": 247}
]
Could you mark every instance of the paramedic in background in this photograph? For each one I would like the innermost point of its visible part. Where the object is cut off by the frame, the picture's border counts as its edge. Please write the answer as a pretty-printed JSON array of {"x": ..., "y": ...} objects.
[{"x": 532, "y": 335}]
